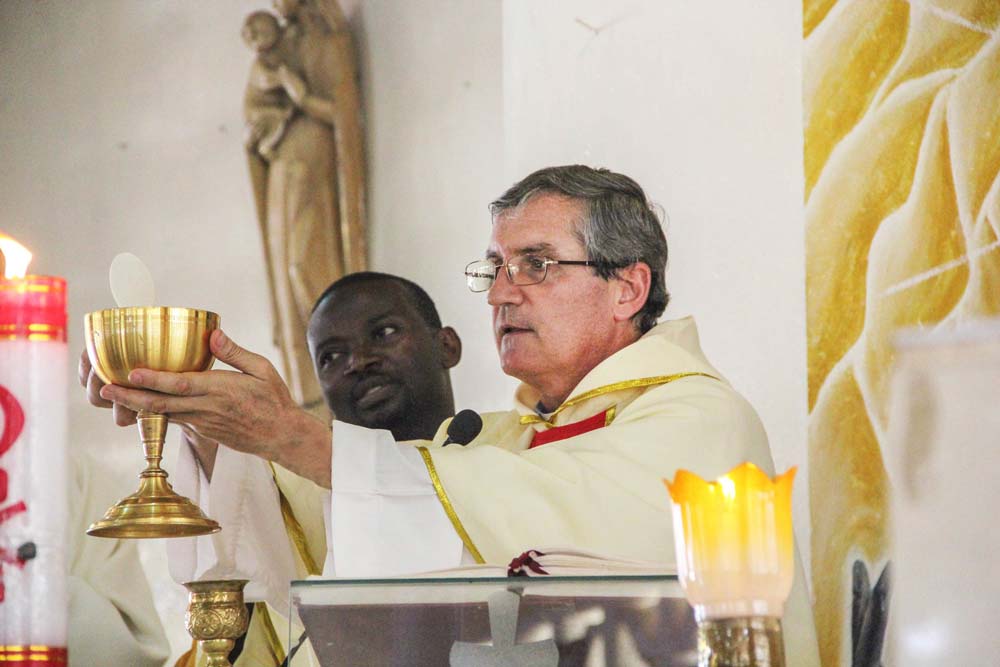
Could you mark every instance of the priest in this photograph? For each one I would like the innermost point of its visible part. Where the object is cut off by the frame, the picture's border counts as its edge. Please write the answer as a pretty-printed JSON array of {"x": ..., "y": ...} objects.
[{"x": 610, "y": 404}]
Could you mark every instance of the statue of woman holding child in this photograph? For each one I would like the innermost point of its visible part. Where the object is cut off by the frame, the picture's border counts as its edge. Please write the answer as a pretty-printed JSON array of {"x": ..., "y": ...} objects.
[{"x": 305, "y": 149}]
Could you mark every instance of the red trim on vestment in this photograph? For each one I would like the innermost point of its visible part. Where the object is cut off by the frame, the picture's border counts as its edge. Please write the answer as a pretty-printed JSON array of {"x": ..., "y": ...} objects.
[{"x": 556, "y": 433}]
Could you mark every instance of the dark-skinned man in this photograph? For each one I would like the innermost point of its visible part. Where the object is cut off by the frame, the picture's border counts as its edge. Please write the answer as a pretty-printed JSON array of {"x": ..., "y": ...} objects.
[
  {"x": 382, "y": 356},
  {"x": 611, "y": 403}
]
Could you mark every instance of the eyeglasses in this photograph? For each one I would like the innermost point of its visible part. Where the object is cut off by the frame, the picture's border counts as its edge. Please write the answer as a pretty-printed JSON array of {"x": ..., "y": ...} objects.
[{"x": 521, "y": 270}]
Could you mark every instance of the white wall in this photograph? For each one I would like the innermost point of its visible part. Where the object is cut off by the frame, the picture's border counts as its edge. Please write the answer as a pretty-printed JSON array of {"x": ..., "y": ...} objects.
[
  {"x": 702, "y": 107},
  {"x": 433, "y": 103},
  {"x": 120, "y": 129}
]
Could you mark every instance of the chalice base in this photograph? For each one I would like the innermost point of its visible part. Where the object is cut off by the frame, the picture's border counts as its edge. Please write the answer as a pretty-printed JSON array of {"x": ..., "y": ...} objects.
[{"x": 155, "y": 510}]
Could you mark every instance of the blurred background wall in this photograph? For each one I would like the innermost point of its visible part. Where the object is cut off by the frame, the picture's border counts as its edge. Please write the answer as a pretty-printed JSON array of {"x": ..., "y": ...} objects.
[{"x": 121, "y": 130}]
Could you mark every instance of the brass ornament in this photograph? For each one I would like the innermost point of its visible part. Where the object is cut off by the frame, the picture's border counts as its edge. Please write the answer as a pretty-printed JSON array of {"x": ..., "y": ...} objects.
[
  {"x": 749, "y": 641},
  {"x": 164, "y": 339},
  {"x": 216, "y": 616}
]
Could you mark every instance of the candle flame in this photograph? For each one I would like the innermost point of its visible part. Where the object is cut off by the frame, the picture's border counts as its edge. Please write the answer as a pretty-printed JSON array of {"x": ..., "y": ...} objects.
[
  {"x": 728, "y": 486},
  {"x": 15, "y": 258}
]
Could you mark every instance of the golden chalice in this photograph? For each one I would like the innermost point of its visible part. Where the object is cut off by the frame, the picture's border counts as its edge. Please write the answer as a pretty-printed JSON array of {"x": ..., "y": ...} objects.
[{"x": 162, "y": 339}]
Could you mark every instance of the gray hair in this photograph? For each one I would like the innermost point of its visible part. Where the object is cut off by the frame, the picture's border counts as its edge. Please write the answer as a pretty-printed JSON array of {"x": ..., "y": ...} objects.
[{"x": 620, "y": 225}]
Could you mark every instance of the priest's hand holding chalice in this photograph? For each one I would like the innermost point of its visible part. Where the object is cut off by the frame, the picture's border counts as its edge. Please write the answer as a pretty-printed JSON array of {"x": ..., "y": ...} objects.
[
  {"x": 120, "y": 340},
  {"x": 151, "y": 363}
]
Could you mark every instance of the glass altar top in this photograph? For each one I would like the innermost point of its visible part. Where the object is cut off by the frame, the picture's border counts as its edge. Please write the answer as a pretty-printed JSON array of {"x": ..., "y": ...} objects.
[
  {"x": 415, "y": 590},
  {"x": 545, "y": 621}
]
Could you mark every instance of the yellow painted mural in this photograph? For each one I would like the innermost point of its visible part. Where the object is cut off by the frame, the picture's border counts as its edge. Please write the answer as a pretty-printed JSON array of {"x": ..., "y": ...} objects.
[{"x": 901, "y": 103}]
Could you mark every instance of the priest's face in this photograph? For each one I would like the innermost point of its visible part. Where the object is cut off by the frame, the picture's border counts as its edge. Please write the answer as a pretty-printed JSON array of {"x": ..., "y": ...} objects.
[
  {"x": 379, "y": 363},
  {"x": 552, "y": 333}
]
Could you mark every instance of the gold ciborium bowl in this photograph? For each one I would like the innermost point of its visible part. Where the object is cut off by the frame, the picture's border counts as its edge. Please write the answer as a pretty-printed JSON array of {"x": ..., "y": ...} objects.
[{"x": 120, "y": 340}]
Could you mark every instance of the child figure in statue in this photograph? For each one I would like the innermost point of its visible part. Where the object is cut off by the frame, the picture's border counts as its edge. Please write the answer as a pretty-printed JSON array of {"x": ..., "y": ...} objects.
[{"x": 266, "y": 106}]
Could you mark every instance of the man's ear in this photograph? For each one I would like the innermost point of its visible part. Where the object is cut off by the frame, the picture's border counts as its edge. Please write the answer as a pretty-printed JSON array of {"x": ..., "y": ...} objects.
[
  {"x": 450, "y": 345},
  {"x": 633, "y": 290}
]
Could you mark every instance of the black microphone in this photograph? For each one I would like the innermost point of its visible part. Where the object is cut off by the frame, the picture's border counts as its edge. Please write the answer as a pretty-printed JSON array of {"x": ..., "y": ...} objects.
[{"x": 464, "y": 427}]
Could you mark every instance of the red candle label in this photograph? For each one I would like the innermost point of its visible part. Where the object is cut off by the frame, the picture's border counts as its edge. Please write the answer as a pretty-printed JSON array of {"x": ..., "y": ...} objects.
[{"x": 13, "y": 424}]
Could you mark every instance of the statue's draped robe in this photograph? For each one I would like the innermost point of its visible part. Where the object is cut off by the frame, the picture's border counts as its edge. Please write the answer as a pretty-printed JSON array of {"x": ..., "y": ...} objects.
[{"x": 310, "y": 195}]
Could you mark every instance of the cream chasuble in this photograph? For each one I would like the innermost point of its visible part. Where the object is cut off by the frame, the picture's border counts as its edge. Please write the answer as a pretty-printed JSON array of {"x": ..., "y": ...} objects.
[
  {"x": 660, "y": 406},
  {"x": 593, "y": 480}
]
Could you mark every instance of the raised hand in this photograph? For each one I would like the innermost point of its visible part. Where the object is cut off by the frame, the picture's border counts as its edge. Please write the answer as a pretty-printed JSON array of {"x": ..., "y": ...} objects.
[{"x": 248, "y": 409}]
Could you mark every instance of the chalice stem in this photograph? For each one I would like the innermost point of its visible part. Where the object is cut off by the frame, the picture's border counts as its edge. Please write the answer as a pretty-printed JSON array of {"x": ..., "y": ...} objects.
[{"x": 152, "y": 430}]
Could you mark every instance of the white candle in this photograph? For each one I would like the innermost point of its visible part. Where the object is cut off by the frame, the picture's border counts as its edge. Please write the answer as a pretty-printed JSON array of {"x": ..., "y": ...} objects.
[{"x": 33, "y": 466}]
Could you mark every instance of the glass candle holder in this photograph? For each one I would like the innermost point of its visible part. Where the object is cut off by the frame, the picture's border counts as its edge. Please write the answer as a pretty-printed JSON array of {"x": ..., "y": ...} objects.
[{"x": 736, "y": 561}]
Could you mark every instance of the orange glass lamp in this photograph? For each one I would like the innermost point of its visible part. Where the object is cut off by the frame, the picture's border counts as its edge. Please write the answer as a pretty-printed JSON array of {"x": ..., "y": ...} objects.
[{"x": 736, "y": 562}]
